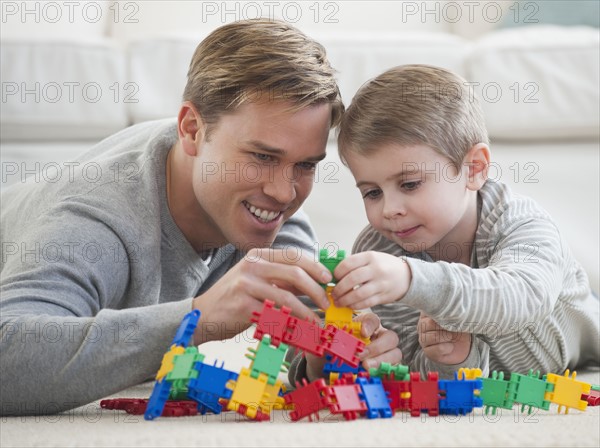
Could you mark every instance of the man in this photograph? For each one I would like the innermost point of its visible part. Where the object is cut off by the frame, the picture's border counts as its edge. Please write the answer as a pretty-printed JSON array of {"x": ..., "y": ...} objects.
[{"x": 199, "y": 213}]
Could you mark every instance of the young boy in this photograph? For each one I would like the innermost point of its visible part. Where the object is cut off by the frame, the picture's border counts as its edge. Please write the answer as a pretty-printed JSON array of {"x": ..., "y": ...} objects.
[{"x": 468, "y": 273}]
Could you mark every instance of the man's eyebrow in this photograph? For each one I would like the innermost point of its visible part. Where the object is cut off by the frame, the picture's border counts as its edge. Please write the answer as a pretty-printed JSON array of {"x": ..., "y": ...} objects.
[
  {"x": 280, "y": 152},
  {"x": 392, "y": 177}
]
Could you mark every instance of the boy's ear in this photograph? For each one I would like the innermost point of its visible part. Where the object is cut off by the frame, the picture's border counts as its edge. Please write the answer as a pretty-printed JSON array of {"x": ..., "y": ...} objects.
[
  {"x": 190, "y": 128},
  {"x": 478, "y": 162}
]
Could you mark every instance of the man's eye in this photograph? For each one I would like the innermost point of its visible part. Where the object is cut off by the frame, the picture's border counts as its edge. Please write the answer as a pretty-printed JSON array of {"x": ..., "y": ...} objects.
[
  {"x": 263, "y": 157},
  {"x": 308, "y": 166}
]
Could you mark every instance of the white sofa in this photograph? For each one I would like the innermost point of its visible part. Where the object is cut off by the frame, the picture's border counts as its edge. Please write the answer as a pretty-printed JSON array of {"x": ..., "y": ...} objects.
[{"x": 67, "y": 84}]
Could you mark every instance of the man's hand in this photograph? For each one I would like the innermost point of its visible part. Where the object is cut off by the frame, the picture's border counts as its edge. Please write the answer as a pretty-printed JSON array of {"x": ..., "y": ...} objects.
[
  {"x": 263, "y": 274},
  {"x": 383, "y": 347},
  {"x": 442, "y": 346}
]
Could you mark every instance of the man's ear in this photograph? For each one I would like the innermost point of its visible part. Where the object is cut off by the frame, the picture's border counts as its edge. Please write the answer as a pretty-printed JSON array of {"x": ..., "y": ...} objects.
[
  {"x": 478, "y": 162},
  {"x": 190, "y": 128}
]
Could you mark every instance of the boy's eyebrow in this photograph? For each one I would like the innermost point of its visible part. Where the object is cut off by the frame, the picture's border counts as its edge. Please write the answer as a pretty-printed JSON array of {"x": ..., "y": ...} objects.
[
  {"x": 280, "y": 152},
  {"x": 393, "y": 176}
]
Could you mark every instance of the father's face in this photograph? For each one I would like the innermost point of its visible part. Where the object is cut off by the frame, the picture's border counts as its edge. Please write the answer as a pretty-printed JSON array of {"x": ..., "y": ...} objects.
[{"x": 257, "y": 169}]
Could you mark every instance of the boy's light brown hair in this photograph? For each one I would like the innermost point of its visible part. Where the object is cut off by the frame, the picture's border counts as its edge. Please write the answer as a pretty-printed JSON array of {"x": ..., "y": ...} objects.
[
  {"x": 412, "y": 105},
  {"x": 259, "y": 60}
]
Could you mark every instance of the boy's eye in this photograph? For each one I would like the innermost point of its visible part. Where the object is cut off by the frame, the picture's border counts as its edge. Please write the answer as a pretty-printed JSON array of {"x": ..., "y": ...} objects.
[
  {"x": 410, "y": 186},
  {"x": 372, "y": 194}
]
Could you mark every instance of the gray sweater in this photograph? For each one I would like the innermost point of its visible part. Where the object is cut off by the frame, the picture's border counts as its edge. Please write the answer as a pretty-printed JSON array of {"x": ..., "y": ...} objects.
[{"x": 96, "y": 276}]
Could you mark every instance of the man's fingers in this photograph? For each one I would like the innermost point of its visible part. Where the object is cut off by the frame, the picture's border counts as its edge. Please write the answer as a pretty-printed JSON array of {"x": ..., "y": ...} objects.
[
  {"x": 383, "y": 341},
  {"x": 294, "y": 256},
  {"x": 291, "y": 277},
  {"x": 265, "y": 291}
]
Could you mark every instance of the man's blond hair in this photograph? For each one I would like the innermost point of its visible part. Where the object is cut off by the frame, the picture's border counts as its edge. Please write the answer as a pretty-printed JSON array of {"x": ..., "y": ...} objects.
[
  {"x": 259, "y": 60},
  {"x": 411, "y": 105}
]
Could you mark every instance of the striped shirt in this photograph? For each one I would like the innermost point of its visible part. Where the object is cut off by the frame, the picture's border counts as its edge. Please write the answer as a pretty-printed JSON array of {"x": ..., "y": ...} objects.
[{"x": 524, "y": 297}]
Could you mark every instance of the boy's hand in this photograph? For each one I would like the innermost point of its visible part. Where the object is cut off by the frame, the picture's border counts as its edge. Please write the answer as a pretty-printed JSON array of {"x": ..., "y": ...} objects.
[
  {"x": 262, "y": 274},
  {"x": 383, "y": 347},
  {"x": 442, "y": 346},
  {"x": 370, "y": 278}
]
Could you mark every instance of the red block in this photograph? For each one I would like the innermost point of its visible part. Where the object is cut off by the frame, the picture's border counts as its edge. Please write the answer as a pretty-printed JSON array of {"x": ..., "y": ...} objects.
[
  {"x": 305, "y": 335},
  {"x": 424, "y": 395},
  {"x": 271, "y": 321},
  {"x": 308, "y": 400},
  {"x": 342, "y": 345}
]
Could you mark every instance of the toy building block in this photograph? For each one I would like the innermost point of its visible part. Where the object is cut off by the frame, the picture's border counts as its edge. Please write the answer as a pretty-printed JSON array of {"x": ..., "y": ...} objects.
[
  {"x": 272, "y": 399},
  {"x": 186, "y": 329},
  {"x": 160, "y": 393},
  {"x": 157, "y": 400},
  {"x": 342, "y": 345},
  {"x": 345, "y": 398},
  {"x": 567, "y": 391},
  {"x": 424, "y": 395},
  {"x": 530, "y": 390},
  {"x": 122, "y": 404},
  {"x": 376, "y": 398},
  {"x": 386, "y": 370},
  {"x": 398, "y": 393},
  {"x": 335, "y": 369},
  {"x": 268, "y": 359},
  {"x": 138, "y": 406},
  {"x": 271, "y": 321},
  {"x": 459, "y": 396},
  {"x": 469, "y": 374},
  {"x": 496, "y": 392},
  {"x": 183, "y": 371},
  {"x": 340, "y": 316},
  {"x": 167, "y": 362},
  {"x": 592, "y": 398},
  {"x": 596, "y": 387},
  {"x": 305, "y": 335},
  {"x": 210, "y": 386},
  {"x": 331, "y": 262},
  {"x": 308, "y": 399},
  {"x": 248, "y": 392}
]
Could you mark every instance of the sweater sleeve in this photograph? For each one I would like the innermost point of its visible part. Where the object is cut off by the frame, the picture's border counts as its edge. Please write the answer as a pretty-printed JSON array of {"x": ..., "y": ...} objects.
[
  {"x": 521, "y": 283},
  {"x": 65, "y": 340}
]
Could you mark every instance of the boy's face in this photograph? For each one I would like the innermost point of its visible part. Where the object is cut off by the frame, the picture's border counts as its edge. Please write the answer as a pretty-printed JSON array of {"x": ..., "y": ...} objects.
[
  {"x": 259, "y": 160},
  {"x": 415, "y": 197}
]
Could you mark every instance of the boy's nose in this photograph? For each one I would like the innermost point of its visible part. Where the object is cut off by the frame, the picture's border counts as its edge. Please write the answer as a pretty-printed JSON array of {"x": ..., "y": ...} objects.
[{"x": 393, "y": 207}]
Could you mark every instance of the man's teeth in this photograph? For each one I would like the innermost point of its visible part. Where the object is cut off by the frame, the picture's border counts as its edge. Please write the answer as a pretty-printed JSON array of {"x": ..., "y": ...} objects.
[{"x": 262, "y": 214}]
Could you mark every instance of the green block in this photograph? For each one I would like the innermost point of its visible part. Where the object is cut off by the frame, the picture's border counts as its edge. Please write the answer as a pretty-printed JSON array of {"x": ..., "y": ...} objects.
[
  {"x": 530, "y": 390},
  {"x": 331, "y": 262},
  {"x": 268, "y": 359},
  {"x": 496, "y": 392},
  {"x": 183, "y": 365}
]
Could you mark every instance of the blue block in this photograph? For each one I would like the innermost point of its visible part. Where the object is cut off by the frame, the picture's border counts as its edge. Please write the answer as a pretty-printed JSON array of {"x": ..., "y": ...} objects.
[
  {"x": 209, "y": 386},
  {"x": 340, "y": 366},
  {"x": 186, "y": 328},
  {"x": 159, "y": 397},
  {"x": 376, "y": 398},
  {"x": 459, "y": 396}
]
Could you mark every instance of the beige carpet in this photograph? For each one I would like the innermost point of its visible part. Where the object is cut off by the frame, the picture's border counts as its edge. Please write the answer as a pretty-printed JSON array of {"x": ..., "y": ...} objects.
[{"x": 94, "y": 426}]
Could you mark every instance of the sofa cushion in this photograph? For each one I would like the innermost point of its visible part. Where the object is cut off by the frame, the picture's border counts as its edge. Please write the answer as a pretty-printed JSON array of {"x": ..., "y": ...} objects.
[
  {"x": 538, "y": 82},
  {"x": 63, "y": 89},
  {"x": 359, "y": 57},
  {"x": 159, "y": 65}
]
